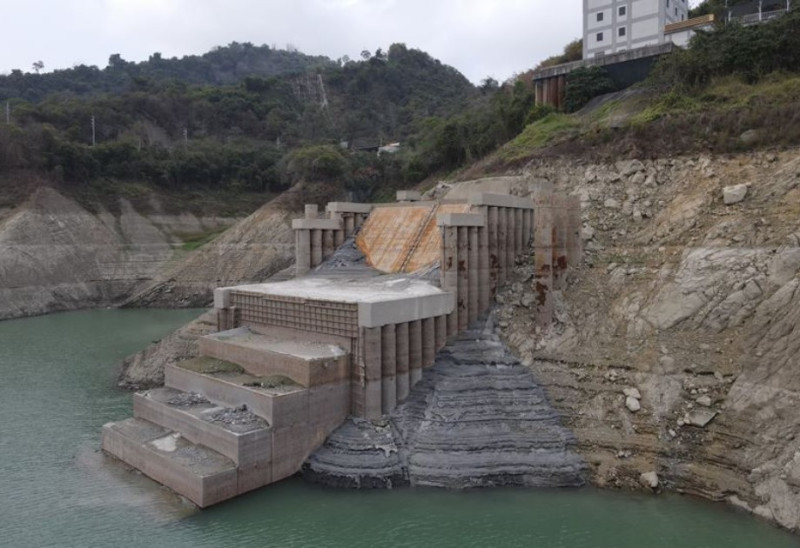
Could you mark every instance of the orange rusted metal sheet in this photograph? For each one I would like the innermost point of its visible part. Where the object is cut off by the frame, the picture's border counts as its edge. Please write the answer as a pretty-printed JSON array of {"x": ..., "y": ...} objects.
[
  {"x": 428, "y": 248},
  {"x": 403, "y": 239}
]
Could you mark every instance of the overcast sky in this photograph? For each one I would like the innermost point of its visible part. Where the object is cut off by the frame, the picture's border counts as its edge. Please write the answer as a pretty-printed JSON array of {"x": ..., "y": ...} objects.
[{"x": 479, "y": 37}]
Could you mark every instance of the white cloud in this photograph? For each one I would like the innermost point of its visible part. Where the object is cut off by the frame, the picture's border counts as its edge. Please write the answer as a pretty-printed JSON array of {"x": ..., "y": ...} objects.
[{"x": 478, "y": 37}]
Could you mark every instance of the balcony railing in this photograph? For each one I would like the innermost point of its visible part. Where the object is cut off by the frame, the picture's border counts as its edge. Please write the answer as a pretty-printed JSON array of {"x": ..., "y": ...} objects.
[{"x": 755, "y": 18}]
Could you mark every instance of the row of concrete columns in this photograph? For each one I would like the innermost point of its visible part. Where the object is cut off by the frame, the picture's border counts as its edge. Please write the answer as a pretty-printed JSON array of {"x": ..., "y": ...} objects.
[
  {"x": 479, "y": 251},
  {"x": 393, "y": 358},
  {"x": 551, "y": 91},
  {"x": 557, "y": 245},
  {"x": 316, "y": 239}
]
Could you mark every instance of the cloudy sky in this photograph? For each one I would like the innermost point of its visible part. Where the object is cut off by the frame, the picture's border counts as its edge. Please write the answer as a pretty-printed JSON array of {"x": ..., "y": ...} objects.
[{"x": 479, "y": 37}]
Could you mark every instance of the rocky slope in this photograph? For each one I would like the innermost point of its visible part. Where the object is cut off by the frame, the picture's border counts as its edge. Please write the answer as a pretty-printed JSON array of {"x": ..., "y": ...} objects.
[
  {"x": 477, "y": 419},
  {"x": 694, "y": 303},
  {"x": 55, "y": 255}
]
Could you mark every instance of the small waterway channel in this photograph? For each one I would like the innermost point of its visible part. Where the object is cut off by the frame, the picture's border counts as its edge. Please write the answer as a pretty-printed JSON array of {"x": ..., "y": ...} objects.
[{"x": 57, "y": 489}]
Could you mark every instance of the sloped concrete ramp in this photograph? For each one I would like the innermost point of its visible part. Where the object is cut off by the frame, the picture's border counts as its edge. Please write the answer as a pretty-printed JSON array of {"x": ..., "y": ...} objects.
[{"x": 404, "y": 238}]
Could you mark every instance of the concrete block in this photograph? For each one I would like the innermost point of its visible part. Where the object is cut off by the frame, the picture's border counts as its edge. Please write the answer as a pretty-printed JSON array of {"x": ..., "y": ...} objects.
[
  {"x": 348, "y": 207},
  {"x": 499, "y": 200},
  {"x": 409, "y": 196},
  {"x": 290, "y": 448},
  {"x": 459, "y": 219},
  {"x": 222, "y": 297},
  {"x": 317, "y": 224},
  {"x": 401, "y": 310},
  {"x": 201, "y": 475},
  {"x": 311, "y": 211}
]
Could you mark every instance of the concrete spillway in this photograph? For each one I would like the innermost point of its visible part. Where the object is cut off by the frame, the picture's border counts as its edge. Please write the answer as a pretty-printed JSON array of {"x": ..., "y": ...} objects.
[{"x": 292, "y": 360}]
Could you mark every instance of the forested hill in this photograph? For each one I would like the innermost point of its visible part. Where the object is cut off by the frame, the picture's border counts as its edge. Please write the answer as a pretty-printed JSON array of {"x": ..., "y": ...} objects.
[
  {"x": 222, "y": 65},
  {"x": 260, "y": 133}
]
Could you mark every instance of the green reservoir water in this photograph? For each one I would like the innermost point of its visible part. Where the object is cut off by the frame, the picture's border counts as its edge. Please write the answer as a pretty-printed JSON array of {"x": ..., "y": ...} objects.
[{"x": 56, "y": 488}]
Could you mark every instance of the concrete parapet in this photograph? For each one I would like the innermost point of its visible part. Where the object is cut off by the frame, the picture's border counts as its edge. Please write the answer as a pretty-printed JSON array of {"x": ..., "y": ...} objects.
[
  {"x": 499, "y": 200},
  {"x": 348, "y": 207},
  {"x": 317, "y": 224},
  {"x": 459, "y": 219},
  {"x": 409, "y": 196}
]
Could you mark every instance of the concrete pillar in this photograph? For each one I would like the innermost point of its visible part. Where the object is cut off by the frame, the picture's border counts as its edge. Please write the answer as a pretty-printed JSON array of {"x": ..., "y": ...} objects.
[
  {"x": 562, "y": 91},
  {"x": 441, "y": 332},
  {"x": 527, "y": 226},
  {"x": 401, "y": 359},
  {"x": 494, "y": 251},
  {"x": 561, "y": 225},
  {"x": 538, "y": 94},
  {"x": 373, "y": 371},
  {"x": 327, "y": 244},
  {"x": 226, "y": 318},
  {"x": 349, "y": 224},
  {"x": 428, "y": 342},
  {"x": 502, "y": 248},
  {"x": 316, "y": 248},
  {"x": 546, "y": 92},
  {"x": 360, "y": 218},
  {"x": 484, "y": 275},
  {"x": 312, "y": 211},
  {"x": 543, "y": 246},
  {"x": 302, "y": 251},
  {"x": 338, "y": 238},
  {"x": 511, "y": 252},
  {"x": 575, "y": 225},
  {"x": 473, "y": 273},
  {"x": 414, "y": 352},
  {"x": 449, "y": 271},
  {"x": 388, "y": 368},
  {"x": 462, "y": 296},
  {"x": 520, "y": 235}
]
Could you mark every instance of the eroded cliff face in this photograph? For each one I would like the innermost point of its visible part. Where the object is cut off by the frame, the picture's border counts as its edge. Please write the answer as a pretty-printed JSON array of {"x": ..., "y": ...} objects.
[
  {"x": 694, "y": 303},
  {"x": 56, "y": 255}
]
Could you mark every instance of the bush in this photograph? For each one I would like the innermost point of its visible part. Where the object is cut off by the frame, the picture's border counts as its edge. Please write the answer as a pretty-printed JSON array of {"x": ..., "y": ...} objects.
[{"x": 584, "y": 84}]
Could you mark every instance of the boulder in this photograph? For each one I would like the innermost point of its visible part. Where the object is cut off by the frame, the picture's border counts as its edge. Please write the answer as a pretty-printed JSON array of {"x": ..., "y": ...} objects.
[
  {"x": 699, "y": 417},
  {"x": 649, "y": 479},
  {"x": 632, "y": 404},
  {"x": 734, "y": 194}
]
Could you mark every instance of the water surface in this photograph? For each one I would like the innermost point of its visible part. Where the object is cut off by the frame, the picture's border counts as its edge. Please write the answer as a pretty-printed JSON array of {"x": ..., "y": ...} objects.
[{"x": 56, "y": 488}]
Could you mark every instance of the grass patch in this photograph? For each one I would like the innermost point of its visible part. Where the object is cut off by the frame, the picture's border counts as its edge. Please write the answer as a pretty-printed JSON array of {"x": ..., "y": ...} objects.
[
  {"x": 537, "y": 135},
  {"x": 197, "y": 240},
  {"x": 209, "y": 366}
]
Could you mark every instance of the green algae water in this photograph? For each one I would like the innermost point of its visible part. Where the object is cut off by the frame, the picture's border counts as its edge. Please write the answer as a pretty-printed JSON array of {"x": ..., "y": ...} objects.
[{"x": 57, "y": 489}]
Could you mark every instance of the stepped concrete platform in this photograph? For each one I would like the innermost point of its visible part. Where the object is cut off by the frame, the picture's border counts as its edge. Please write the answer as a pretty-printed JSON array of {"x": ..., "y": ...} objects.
[
  {"x": 238, "y": 434},
  {"x": 306, "y": 363},
  {"x": 203, "y": 476}
]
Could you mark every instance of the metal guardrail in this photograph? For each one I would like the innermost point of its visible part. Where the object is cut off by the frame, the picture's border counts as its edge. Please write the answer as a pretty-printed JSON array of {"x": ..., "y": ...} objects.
[{"x": 754, "y": 18}]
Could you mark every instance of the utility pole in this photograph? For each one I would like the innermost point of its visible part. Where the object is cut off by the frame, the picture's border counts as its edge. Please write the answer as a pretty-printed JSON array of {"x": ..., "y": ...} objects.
[{"x": 93, "y": 132}]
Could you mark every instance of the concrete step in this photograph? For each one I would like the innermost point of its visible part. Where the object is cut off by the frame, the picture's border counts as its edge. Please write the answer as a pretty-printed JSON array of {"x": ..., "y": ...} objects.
[
  {"x": 278, "y": 401},
  {"x": 235, "y": 433},
  {"x": 201, "y": 475},
  {"x": 306, "y": 363}
]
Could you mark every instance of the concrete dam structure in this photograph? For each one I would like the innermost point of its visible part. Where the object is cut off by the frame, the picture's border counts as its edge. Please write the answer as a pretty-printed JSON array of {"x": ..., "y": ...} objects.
[{"x": 292, "y": 360}]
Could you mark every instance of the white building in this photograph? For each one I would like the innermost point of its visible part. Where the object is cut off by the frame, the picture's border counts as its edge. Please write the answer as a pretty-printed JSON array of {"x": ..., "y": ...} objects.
[{"x": 611, "y": 26}]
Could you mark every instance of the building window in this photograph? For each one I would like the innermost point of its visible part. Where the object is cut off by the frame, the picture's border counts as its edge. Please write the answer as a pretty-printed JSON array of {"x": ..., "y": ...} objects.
[
  {"x": 622, "y": 11},
  {"x": 599, "y": 16},
  {"x": 599, "y": 36},
  {"x": 622, "y": 31}
]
